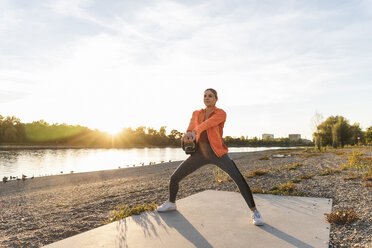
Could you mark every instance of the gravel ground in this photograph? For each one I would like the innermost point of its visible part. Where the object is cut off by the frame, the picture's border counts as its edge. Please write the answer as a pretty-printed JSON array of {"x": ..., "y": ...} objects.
[{"x": 43, "y": 210}]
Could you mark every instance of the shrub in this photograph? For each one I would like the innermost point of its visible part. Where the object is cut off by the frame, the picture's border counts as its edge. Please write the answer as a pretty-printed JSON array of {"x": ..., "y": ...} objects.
[
  {"x": 122, "y": 212},
  {"x": 340, "y": 216}
]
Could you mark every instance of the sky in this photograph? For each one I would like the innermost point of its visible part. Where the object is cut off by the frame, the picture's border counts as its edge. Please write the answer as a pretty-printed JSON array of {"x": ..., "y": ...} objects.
[{"x": 115, "y": 64}]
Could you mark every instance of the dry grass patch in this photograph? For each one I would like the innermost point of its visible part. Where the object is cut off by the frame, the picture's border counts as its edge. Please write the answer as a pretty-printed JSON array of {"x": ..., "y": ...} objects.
[
  {"x": 296, "y": 180},
  {"x": 307, "y": 176},
  {"x": 341, "y": 216},
  {"x": 367, "y": 178},
  {"x": 339, "y": 153},
  {"x": 220, "y": 176},
  {"x": 359, "y": 163},
  {"x": 287, "y": 188},
  {"x": 357, "y": 153},
  {"x": 288, "y": 167},
  {"x": 368, "y": 185},
  {"x": 329, "y": 172},
  {"x": 285, "y": 152},
  {"x": 256, "y": 173},
  {"x": 258, "y": 191},
  {"x": 294, "y": 166},
  {"x": 122, "y": 212},
  {"x": 351, "y": 176},
  {"x": 264, "y": 157},
  {"x": 311, "y": 155},
  {"x": 367, "y": 160}
]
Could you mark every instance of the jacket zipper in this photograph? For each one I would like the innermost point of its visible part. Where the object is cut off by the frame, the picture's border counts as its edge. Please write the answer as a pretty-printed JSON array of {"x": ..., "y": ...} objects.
[
  {"x": 208, "y": 135},
  {"x": 211, "y": 145}
]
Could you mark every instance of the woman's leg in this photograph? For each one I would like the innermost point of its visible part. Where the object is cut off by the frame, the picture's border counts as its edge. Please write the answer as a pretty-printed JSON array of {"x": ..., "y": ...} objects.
[
  {"x": 188, "y": 166},
  {"x": 229, "y": 166}
]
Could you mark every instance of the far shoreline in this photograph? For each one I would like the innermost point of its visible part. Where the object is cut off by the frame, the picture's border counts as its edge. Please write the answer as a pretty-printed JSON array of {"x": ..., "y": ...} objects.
[{"x": 11, "y": 146}]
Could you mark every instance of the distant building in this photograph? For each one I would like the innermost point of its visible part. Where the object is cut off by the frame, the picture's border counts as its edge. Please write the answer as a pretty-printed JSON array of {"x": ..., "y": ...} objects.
[
  {"x": 267, "y": 135},
  {"x": 307, "y": 141},
  {"x": 294, "y": 137}
]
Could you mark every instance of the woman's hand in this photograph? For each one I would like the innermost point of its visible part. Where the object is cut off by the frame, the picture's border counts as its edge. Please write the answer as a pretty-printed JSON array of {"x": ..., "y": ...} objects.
[
  {"x": 193, "y": 135},
  {"x": 189, "y": 137}
]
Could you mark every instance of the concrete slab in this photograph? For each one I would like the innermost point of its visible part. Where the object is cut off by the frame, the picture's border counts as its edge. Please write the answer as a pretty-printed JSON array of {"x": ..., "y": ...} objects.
[{"x": 217, "y": 219}]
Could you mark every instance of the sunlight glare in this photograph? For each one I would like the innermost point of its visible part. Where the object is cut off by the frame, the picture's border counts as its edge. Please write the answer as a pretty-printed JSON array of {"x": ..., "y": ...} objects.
[{"x": 111, "y": 128}]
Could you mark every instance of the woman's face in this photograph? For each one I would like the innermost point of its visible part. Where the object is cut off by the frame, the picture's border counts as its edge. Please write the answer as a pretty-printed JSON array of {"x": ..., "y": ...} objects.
[{"x": 209, "y": 98}]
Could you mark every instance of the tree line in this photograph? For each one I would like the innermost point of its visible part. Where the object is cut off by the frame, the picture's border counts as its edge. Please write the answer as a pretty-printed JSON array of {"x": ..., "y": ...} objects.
[
  {"x": 14, "y": 132},
  {"x": 336, "y": 131}
]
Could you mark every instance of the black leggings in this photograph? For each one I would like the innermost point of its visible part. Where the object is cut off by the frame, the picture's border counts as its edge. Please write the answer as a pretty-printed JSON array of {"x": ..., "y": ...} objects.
[{"x": 205, "y": 155}]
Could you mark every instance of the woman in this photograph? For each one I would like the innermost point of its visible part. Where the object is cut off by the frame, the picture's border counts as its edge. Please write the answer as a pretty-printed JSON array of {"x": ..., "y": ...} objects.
[{"x": 206, "y": 126}]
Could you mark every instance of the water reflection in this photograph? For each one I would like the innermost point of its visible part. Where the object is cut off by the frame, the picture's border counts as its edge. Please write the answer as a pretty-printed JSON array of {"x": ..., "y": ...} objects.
[{"x": 41, "y": 162}]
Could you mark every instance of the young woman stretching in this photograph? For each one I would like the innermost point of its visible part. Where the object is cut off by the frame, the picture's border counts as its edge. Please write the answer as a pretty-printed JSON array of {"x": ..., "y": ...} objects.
[{"x": 206, "y": 126}]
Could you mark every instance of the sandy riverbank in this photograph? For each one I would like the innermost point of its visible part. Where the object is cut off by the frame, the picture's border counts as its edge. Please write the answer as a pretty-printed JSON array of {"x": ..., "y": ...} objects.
[{"x": 46, "y": 209}]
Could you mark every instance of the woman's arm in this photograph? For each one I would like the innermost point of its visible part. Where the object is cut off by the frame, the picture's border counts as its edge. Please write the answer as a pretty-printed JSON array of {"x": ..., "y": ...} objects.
[
  {"x": 193, "y": 121},
  {"x": 214, "y": 120}
]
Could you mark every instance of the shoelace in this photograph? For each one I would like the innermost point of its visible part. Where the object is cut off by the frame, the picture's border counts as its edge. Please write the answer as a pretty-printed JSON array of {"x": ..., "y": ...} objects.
[{"x": 257, "y": 214}]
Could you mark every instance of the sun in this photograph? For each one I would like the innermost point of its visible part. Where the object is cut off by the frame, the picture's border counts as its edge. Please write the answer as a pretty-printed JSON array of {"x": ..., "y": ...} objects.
[{"x": 111, "y": 129}]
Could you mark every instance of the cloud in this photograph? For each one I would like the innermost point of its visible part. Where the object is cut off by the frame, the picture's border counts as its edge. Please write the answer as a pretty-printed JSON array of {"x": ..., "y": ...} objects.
[{"x": 158, "y": 57}]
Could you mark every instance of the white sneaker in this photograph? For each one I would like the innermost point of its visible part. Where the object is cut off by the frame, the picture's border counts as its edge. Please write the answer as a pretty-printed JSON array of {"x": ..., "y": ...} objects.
[
  {"x": 257, "y": 218},
  {"x": 167, "y": 206}
]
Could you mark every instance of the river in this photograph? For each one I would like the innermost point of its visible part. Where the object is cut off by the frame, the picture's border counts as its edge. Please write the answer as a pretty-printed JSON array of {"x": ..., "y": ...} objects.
[{"x": 44, "y": 162}]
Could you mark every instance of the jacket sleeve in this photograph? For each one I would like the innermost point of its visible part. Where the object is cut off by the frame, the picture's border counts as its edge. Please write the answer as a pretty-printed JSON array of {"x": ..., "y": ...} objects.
[
  {"x": 193, "y": 121},
  {"x": 214, "y": 120}
]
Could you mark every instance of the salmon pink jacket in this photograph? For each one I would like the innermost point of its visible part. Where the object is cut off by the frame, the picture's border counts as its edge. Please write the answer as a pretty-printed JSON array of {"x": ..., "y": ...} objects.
[{"x": 214, "y": 126}]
